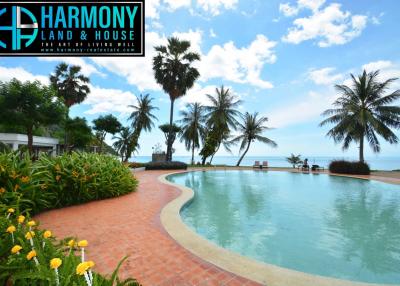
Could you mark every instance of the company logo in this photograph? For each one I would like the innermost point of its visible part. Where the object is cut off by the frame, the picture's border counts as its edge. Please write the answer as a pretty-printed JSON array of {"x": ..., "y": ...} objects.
[
  {"x": 71, "y": 28},
  {"x": 21, "y": 34}
]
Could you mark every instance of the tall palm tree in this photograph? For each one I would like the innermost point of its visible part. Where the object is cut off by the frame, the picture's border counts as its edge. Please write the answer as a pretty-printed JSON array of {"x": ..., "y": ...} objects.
[
  {"x": 192, "y": 126},
  {"x": 71, "y": 86},
  {"x": 363, "y": 112},
  {"x": 124, "y": 139},
  {"x": 173, "y": 70},
  {"x": 142, "y": 118},
  {"x": 251, "y": 130},
  {"x": 222, "y": 114}
]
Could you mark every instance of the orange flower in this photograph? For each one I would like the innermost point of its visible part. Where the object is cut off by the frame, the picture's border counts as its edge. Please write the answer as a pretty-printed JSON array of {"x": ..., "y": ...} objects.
[
  {"x": 16, "y": 187},
  {"x": 75, "y": 174},
  {"x": 58, "y": 178},
  {"x": 25, "y": 179},
  {"x": 14, "y": 175},
  {"x": 2, "y": 190}
]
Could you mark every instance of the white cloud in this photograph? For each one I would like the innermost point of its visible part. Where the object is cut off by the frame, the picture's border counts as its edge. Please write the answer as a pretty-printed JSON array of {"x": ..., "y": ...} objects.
[
  {"x": 197, "y": 94},
  {"x": 107, "y": 100},
  {"x": 387, "y": 69},
  {"x": 151, "y": 8},
  {"x": 329, "y": 26},
  {"x": 8, "y": 73},
  {"x": 176, "y": 4},
  {"x": 87, "y": 69},
  {"x": 324, "y": 76},
  {"x": 214, "y": 6},
  {"x": 137, "y": 71},
  {"x": 227, "y": 62},
  {"x": 240, "y": 65},
  {"x": 292, "y": 10},
  {"x": 305, "y": 110},
  {"x": 212, "y": 33}
]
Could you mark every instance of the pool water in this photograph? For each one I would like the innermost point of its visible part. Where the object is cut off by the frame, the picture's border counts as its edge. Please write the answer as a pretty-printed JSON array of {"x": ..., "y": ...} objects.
[{"x": 326, "y": 225}]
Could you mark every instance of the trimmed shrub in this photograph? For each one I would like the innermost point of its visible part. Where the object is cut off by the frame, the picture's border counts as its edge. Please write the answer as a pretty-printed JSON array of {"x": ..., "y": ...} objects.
[
  {"x": 135, "y": 165},
  {"x": 352, "y": 168},
  {"x": 62, "y": 181},
  {"x": 174, "y": 165}
]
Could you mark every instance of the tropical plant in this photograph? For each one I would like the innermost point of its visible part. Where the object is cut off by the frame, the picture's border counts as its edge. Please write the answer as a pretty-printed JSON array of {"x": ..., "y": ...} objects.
[
  {"x": 363, "y": 111},
  {"x": 170, "y": 132},
  {"x": 173, "y": 70},
  {"x": 294, "y": 160},
  {"x": 78, "y": 132},
  {"x": 192, "y": 126},
  {"x": 142, "y": 118},
  {"x": 106, "y": 124},
  {"x": 30, "y": 105},
  {"x": 32, "y": 256},
  {"x": 210, "y": 144},
  {"x": 123, "y": 143},
  {"x": 71, "y": 86},
  {"x": 222, "y": 114},
  {"x": 251, "y": 130},
  {"x": 61, "y": 181}
]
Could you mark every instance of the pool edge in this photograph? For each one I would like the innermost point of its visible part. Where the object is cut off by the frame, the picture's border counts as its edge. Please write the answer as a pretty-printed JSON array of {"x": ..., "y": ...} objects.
[{"x": 246, "y": 267}]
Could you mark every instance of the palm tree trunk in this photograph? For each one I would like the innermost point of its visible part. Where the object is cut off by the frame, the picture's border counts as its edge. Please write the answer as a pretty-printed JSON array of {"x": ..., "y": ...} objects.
[
  {"x": 29, "y": 133},
  {"x": 169, "y": 139},
  {"x": 212, "y": 156},
  {"x": 193, "y": 153},
  {"x": 362, "y": 148},
  {"x": 244, "y": 154},
  {"x": 65, "y": 131}
]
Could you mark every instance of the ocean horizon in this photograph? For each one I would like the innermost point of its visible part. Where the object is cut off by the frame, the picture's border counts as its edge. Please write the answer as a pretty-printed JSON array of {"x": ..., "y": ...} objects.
[{"x": 386, "y": 163}]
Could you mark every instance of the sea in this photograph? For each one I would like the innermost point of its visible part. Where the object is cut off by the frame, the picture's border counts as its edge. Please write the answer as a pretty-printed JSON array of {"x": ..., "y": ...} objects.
[{"x": 383, "y": 163}]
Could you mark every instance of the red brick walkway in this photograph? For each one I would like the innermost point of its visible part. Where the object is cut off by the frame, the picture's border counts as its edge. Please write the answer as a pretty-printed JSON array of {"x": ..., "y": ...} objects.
[{"x": 130, "y": 225}]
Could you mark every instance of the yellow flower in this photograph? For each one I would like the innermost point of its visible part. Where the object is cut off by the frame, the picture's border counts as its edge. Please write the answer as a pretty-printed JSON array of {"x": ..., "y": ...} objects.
[
  {"x": 16, "y": 249},
  {"x": 90, "y": 263},
  {"x": 83, "y": 243},
  {"x": 21, "y": 219},
  {"x": 29, "y": 235},
  {"x": 75, "y": 174},
  {"x": 14, "y": 175},
  {"x": 43, "y": 187},
  {"x": 25, "y": 179},
  {"x": 2, "y": 190},
  {"x": 55, "y": 263},
  {"x": 47, "y": 234},
  {"x": 82, "y": 268},
  {"x": 31, "y": 223},
  {"x": 58, "y": 177},
  {"x": 11, "y": 229},
  {"x": 57, "y": 167},
  {"x": 31, "y": 254},
  {"x": 71, "y": 243},
  {"x": 10, "y": 210},
  {"x": 16, "y": 187}
]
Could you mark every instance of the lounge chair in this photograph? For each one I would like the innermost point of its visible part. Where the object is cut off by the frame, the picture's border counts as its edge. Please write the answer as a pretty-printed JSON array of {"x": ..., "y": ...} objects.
[
  {"x": 265, "y": 164},
  {"x": 257, "y": 165}
]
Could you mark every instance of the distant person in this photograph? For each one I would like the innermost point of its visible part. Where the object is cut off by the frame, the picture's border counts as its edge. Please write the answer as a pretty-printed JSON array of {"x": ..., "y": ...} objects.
[{"x": 305, "y": 164}]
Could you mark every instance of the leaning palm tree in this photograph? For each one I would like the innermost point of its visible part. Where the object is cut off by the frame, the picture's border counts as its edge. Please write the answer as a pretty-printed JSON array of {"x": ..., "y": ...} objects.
[
  {"x": 122, "y": 143},
  {"x": 173, "y": 70},
  {"x": 251, "y": 130},
  {"x": 192, "y": 126},
  {"x": 142, "y": 118},
  {"x": 222, "y": 114},
  {"x": 362, "y": 112},
  {"x": 71, "y": 86}
]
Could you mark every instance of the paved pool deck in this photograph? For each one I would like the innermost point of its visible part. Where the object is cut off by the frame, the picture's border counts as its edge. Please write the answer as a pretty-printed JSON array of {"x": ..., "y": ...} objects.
[{"x": 130, "y": 225}]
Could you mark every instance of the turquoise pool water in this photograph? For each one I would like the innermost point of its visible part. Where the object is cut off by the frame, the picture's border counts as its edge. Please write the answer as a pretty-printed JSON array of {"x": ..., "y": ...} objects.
[{"x": 326, "y": 225}]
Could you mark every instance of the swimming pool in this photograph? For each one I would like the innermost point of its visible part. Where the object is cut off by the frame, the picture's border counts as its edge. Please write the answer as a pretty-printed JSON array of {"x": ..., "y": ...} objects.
[{"x": 326, "y": 225}]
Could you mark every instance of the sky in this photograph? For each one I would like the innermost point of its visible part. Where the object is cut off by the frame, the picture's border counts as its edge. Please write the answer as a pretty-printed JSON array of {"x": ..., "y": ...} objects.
[{"x": 282, "y": 58}]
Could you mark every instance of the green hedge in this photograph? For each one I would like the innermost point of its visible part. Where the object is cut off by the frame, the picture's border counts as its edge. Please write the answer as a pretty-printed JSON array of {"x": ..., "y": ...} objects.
[
  {"x": 352, "y": 168},
  {"x": 62, "y": 181},
  {"x": 166, "y": 166}
]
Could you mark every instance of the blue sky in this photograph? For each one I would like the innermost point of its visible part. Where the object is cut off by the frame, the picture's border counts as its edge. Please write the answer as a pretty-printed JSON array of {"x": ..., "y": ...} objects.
[{"x": 281, "y": 57}]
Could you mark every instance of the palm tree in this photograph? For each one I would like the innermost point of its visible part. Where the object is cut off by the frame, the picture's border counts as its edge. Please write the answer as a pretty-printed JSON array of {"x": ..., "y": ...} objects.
[
  {"x": 222, "y": 115},
  {"x": 124, "y": 139},
  {"x": 71, "y": 86},
  {"x": 192, "y": 126},
  {"x": 142, "y": 119},
  {"x": 294, "y": 160},
  {"x": 173, "y": 70},
  {"x": 363, "y": 111},
  {"x": 251, "y": 130}
]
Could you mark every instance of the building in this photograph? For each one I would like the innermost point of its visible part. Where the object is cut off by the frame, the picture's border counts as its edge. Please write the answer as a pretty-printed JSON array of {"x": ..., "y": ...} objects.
[{"x": 40, "y": 144}]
